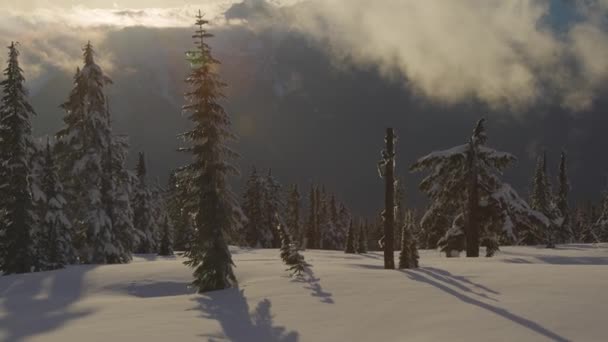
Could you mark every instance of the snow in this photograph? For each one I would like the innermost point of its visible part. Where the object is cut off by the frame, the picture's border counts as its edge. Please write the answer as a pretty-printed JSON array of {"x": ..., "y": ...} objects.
[{"x": 522, "y": 294}]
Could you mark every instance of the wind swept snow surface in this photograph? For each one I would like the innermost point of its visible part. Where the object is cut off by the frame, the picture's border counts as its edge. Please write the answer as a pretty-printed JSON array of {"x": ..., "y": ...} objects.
[{"x": 522, "y": 294}]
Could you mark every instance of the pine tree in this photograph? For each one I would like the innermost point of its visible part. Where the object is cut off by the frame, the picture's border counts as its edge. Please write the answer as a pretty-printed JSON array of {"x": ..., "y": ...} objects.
[
  {"x": 252, "y": 208},
  {"x": 333, "y": 233},
  {"x": 464, "y": 184},
  {"x": 408, "y": 257},
  {"x": 119, "y": 201},
  {"x": 143, "y": 218},
  {"x": 180, "y": 217},
  {"x": 17, "y": 226},
  {"x": 565, "y": 228},
  {"x": 272, "y": 209},
  {"x": 362, "y": 243},
  {"x": 84, "y": 147},
  {"x": 542, "y": 201},
  {"x": 319, "y": 215},
  {"x": 311, "y": 224},
  {"x": 166, "y": 240},
  {"x": 290, "y": 254},
  {"x": 55, "y": 238},
  {"x": 210, "y": 199},
  {"x": 293, "y": 213},
  {"x": 350, "y": 239}
]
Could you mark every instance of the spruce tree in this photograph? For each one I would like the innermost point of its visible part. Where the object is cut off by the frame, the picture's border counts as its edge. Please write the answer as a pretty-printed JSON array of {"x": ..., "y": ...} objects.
[
  {"x": 362, "y": 243},
  {"x": 319, "y": 215},
  {"x": 55, "y": 228},
  {"x": 84, "y": 146},
  {"x": 350, "y": 239},
  {"x": 333, "y": 235},
  {"x": 143, "y": 218},
  {"x": 210, "y": 199},
  {"x": 272, "y": 209},
  {"x": 290, "y": 254},
  {"x": 118, "y": 201},
  {"x": 565, "y": 234},
  {"x": 165, "y": 247},
  {"x": 464, "y": 185},
  {"x": 252, "y": 208},
  {"x": 180, "y": 217},
  {"x": 293, "y": 213},
  {"x": 408, "y": 257},
  {"x": 311, "y": 223},
  {"x": 17, "y": 225},
  {"x": 542, "y": 201}
]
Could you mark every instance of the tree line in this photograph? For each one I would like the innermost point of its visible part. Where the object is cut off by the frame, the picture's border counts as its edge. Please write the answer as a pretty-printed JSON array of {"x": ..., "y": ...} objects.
[{"x": 72, "y": 199}]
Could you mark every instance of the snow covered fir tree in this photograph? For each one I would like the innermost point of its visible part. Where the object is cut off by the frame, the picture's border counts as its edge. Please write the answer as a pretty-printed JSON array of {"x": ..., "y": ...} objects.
[
  {"x": 143, "y": 219},
  {"x": 214, "y": 207},
  {"x": 89, "y": 157},
  {"x": 464, "y": 184},
  {"x": 18, "y": 221}
]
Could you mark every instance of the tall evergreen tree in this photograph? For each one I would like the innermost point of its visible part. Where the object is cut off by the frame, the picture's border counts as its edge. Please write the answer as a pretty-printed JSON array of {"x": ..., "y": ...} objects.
[
  {"x": 17, "y": 226},
  {"x": 542, "y": 201},
  {"x": 293, "y": 213},
  {"x": 83, "y": 148},
  {"x": 320, "y": 203},
  {"x": 55, "y": 229},
  {"x": 215, "y": 207},
  {"x": 350, "y": 239},
  {"x": 272, "y": 210},
  {"x": 118, "y": 201},
  {"x": 165, "y": 247},
  {"x": 255, "y": 236},
  {"x": 565, "y": 234},
  {"x": 180, "y": 217},
  {"x": 143, "y": 218},
  {"x": 408, "y": 257},
  {"x": 311, "y": 223},
  {"x": 362, "y": 243}
]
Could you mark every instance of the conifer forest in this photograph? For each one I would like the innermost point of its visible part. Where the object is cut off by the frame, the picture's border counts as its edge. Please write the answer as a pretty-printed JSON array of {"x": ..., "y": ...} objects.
[{"x": 303, "y": 170}]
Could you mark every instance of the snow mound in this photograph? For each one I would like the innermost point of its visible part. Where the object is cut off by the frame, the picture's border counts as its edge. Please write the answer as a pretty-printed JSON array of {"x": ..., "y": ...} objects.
[{"x": 522, "y": 294}]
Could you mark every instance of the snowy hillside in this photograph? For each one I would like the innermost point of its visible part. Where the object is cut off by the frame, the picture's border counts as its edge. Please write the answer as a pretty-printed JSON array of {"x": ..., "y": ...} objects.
[{"x": 523, "y": 294}]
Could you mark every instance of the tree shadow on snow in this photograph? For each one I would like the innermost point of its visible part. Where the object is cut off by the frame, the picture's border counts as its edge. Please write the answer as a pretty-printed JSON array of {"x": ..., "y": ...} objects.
[
  {"x": 424, "y": 277},
  {"x": 153, "y": 289},
  {"x": 461, "y": 279},
  {"x": 555, "y": 259},
  {"x": 313, "y": 284},
  {"x": 38, "y": 303},
  {"x": 229, "y": 307}
]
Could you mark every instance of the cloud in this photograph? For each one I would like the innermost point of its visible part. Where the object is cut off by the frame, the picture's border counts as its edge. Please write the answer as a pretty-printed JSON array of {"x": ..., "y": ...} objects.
[
  {"x": 502, "y": 52},
  {"x": 505, "y": 53}
]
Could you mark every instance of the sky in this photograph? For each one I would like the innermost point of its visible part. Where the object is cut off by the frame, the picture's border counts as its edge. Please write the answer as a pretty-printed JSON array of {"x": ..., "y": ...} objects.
[{"x": 523, "y": 63}]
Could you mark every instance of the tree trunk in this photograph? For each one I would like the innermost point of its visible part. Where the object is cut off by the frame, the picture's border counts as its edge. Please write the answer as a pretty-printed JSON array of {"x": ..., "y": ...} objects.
[
  {"x": 389, "y": 200},
  {"x": 472, "y": 210}
]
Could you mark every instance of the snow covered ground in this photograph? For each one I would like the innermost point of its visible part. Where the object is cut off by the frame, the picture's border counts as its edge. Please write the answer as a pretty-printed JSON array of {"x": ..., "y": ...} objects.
[{"x": 522, "y": 294}]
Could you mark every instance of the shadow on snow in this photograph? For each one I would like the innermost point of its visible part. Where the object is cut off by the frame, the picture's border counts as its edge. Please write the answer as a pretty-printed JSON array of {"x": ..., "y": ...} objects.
[
  {"x": 313, "y": 284},
  {"x": 440, "y": 280},
  {"x": 230, "y": 308},
  {"x": 38, "y": 303}
]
